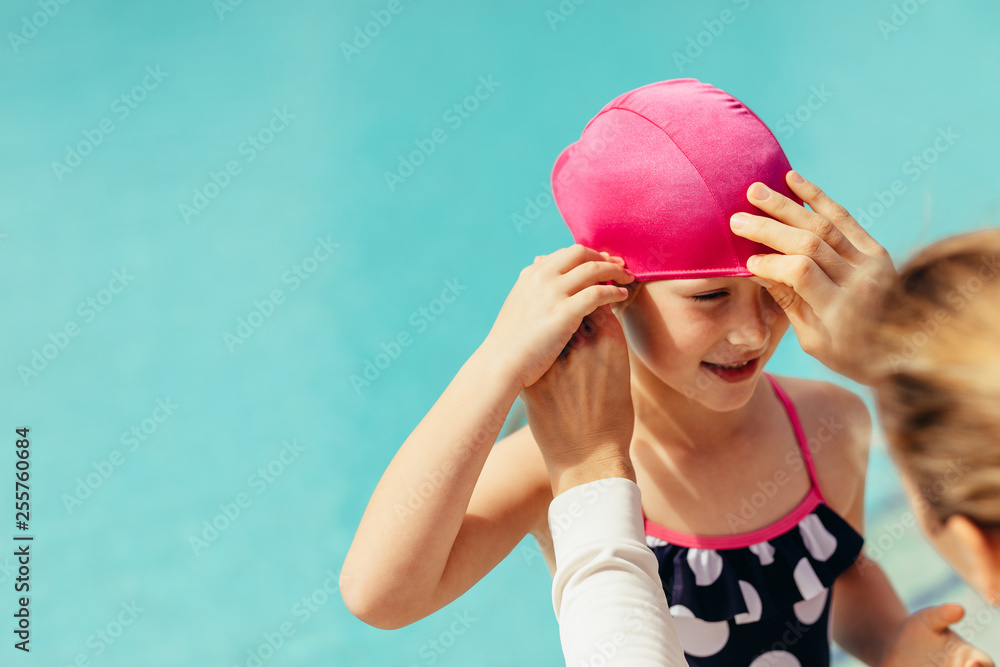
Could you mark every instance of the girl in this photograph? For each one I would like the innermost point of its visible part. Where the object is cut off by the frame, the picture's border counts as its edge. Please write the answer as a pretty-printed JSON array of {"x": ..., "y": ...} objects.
[{"x": 752, "y": 485}]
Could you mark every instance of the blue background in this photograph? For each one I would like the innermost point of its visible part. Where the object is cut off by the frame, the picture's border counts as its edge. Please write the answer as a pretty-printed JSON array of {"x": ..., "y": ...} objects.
[{"x": 227, "y": 69}]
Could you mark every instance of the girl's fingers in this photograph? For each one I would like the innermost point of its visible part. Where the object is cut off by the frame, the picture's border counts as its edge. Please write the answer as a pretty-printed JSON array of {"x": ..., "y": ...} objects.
[
  {"x": 835, "y": 213},
  {"x": 801, "y": 274},
  {"x": 795, "y": 216},
  {"x": 588, "y": 300},
  {"x": 591, "y": 273},
  {"x": 793, "y": 241},
  {"x": 567, "y": 258}
]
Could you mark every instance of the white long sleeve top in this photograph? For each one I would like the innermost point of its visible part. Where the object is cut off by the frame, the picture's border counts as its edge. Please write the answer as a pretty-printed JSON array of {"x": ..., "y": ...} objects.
[{"x": 606, "y": 590}]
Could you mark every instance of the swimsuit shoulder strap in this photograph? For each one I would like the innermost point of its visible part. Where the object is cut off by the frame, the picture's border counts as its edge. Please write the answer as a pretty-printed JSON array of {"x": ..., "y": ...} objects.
[{"x": 800, "y": 435}]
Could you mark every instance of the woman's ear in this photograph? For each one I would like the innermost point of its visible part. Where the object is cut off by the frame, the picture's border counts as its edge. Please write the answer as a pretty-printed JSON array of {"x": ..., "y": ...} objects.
[{"x": 979, "y": 551}]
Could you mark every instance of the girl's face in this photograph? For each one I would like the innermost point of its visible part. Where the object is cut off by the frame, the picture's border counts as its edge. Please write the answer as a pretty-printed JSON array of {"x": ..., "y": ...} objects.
[{"x": 707, "y": 338}]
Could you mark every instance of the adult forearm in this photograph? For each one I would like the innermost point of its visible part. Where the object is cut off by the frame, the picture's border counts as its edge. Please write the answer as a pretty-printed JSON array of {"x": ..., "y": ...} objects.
[
  {"x": 606, "y": 591},
  {"x": 421, "y": 499}
]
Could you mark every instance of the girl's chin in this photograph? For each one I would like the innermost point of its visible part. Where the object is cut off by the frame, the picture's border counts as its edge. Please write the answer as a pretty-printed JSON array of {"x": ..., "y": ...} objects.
[{"x": 720, "y": 394}]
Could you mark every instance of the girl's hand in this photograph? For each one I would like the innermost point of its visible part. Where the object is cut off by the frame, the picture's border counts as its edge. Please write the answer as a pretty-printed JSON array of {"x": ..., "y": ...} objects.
[
  {"x": 580, "y": 411},
  {"x": 830, "y": 269},
  {"x": 925, "y": 639},
  {"x": 546, "y": 306}
]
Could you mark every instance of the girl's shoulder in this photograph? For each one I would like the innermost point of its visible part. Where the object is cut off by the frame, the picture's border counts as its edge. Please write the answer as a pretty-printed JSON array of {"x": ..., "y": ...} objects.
[{"x": 837, "y": 425}]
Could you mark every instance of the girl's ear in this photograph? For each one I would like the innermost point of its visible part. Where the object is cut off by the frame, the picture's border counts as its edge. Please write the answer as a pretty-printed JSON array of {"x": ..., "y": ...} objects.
[{"x": 980, "y": 549}]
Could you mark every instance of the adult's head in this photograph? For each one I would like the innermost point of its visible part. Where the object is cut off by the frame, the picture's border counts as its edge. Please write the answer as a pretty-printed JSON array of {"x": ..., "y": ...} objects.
[{"x": 936, "y": 348}]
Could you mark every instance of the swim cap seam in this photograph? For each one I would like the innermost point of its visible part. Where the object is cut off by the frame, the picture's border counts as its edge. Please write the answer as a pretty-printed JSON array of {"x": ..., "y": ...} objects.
[{"x": 715, "y": 201}]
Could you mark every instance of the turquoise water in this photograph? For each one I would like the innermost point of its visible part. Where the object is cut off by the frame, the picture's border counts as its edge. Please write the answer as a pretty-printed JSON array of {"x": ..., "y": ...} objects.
[{"x": 225, "y": 161}]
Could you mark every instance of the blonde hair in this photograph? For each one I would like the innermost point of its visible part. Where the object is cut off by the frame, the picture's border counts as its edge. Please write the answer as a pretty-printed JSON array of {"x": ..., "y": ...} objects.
[{"x": 936, "y": 350}]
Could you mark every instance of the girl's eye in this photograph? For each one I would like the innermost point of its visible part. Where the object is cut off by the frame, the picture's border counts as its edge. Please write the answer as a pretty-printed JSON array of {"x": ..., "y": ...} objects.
[{"x": 709, "y": 297}]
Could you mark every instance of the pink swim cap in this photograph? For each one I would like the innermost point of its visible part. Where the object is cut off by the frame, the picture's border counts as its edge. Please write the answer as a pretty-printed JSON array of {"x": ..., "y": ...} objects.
[{"x": 657, "y": 174}]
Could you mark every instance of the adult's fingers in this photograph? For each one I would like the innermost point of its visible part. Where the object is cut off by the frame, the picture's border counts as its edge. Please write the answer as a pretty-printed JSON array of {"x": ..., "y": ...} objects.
[
  {"x": 601, "y": 325},
  {"x": 820, "y": 202},
  {"x": 782, "y": 208},
  {"x": 793, "y": 241},
  {"x": 800, "y": 273}
]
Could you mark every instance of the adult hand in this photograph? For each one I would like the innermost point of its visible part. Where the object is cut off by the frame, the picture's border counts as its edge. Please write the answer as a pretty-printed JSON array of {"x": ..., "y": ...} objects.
[
  {"x": 925, "y": 639},
  {"x": 580, "y": 411},
  {"x": 831, "y": 270},
  {"x": 546, "y": 306}
]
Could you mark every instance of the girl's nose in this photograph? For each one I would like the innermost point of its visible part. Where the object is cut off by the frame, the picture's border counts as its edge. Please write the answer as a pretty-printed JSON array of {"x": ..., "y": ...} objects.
[{"x": 751, "y": 325}]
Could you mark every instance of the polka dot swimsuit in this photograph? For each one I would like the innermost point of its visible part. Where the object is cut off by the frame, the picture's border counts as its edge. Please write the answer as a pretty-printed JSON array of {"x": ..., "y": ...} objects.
[{"x": 760, "y": 599}]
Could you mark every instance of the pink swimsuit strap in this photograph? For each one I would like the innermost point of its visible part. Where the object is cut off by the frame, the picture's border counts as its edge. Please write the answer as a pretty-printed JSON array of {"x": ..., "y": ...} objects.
[
  {"x": 800, "y": 434},
  {"x": 738, "y": 541}
]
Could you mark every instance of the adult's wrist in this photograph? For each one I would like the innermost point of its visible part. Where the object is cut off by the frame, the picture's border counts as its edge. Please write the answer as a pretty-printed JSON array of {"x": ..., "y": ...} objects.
[{"x": 564, "y": 475}]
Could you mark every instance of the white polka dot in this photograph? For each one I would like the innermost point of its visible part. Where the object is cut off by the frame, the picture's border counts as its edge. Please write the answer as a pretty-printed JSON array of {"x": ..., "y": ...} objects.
[
  {"x": 706, "y": 565},
  {"x": 699, "y": 638},
  {"x": 776, "y": 659},
  {"x": 754, "y": 606},
  {"x": 809, "y": 611},
  {"x": 764, "y": 551},
  {"x": 655, "y": 542},
  {"x": 820, "y": 543},
  {"x": 807, "y": 580}
]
